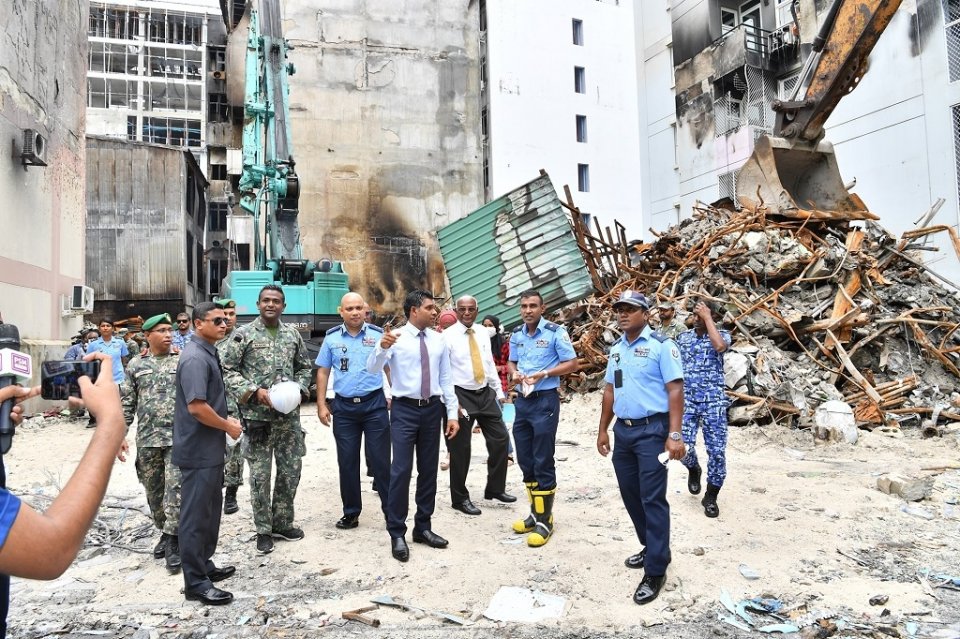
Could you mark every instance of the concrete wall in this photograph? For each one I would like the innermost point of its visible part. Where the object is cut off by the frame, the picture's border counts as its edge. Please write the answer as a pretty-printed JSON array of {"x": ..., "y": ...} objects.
[
  {"x": 42, "y": 86},
  {"x": 385, "y": 116},
  {"x": 533, "y": 105}
]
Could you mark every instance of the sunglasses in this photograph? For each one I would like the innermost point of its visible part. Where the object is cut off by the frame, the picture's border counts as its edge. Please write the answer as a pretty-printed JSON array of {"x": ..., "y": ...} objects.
[
  {"x": 183, "y": 321},
  {"x": 217, "y": 321}
]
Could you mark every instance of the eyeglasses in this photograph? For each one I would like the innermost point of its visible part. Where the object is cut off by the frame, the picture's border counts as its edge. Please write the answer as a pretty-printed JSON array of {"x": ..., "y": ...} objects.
[
  {"x": 183, "y": 321},
  {"x": 217, "y": 321}
]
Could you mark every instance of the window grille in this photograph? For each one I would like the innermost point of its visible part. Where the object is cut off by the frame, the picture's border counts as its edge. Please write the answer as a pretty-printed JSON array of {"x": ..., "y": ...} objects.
[{"x": 951, "y": 21}]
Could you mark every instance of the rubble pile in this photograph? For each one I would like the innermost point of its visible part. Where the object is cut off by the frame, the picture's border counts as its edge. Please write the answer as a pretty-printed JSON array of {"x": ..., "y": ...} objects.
[{"x": 819, "y": 310}]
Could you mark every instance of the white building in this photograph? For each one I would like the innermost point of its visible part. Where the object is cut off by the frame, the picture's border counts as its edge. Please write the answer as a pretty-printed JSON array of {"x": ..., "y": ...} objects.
[
  {"x": 897, "y": 135},
  {"x": 559, "y": 93}
]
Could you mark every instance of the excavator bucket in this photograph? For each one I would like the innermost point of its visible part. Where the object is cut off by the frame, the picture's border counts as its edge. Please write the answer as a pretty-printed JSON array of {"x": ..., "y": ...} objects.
[{"x": 797, "y": 181}]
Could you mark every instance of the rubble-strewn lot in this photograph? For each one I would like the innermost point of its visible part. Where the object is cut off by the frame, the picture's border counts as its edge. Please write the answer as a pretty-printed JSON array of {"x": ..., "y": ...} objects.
[{"x": 805, "y": 517}]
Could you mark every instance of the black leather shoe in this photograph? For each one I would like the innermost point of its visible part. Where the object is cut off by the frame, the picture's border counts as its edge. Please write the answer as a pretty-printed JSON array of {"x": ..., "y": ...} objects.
[
  {"x": 635, "y": 561},
  {"x": 230, "y": 504},
  {"x": 348, "y": 521},
  {"x": 430, "y": 538},
  {"x": 399, "y": 550},
  {"x": 504, "y": 497},
  {"x": 648, "y": 589},
  {"x": 466, "y": 507},
  {"x": 693, "y": 480},
  {"x": 219, "y": 574},
  {"x": 160, "y": 549},
  {"x": 212, "y": 597}
]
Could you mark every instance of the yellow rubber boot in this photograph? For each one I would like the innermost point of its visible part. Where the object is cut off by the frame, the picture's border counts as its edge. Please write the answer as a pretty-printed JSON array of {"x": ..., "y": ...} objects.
[
  {"x": 527, "y": 524},
  {"x": 543, "y": 514}
]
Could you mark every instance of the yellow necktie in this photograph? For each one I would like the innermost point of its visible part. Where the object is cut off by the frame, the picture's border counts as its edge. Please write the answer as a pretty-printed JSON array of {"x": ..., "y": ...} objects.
[{"x": 478, "y": 374}]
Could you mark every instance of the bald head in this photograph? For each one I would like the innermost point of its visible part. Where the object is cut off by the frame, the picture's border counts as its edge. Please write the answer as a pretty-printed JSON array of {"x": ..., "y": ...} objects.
[
  {"x": 351, "y": 311},
  {"x": 466, "y": 310}
]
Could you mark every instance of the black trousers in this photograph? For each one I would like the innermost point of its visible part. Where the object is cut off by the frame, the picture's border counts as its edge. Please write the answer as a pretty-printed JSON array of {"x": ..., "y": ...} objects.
[
  {"x": 352, "y": 422},
  {"x": 482, "y": 408},
  {"x": 417, "y": 430},
  {"x": 201, "y": 498}
]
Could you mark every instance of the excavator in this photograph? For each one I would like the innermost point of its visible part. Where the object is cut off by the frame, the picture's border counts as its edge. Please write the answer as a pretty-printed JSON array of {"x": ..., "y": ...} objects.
[
  {"x": 269, "y": 187},
  {"x": 794, "y": 172}
]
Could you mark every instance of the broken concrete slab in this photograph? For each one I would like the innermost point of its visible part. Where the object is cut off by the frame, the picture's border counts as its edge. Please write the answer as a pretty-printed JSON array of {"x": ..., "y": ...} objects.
[
  {"x": 909, "y": 488},
  {"x": 834, "y": 421}
]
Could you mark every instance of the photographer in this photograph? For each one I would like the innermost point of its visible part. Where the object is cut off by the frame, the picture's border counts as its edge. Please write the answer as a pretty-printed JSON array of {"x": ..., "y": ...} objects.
[{"x": 42, "y": 545}]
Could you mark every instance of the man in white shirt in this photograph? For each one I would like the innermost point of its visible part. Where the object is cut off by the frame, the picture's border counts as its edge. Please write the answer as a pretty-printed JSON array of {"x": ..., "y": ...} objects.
[
  {"x": 479, "y": 393},
  {"x": 423, "y": 397}
]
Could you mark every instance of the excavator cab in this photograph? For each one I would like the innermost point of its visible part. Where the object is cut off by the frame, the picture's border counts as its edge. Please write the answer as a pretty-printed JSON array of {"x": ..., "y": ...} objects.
[{"x": 794, "y": 172}]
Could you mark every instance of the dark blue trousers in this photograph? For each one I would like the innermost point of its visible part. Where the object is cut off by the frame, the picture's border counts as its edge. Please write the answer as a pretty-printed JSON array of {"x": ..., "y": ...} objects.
[
  {"x": 535, "y": 433},
  {"x": 643, "y": 487},
  {"x": 413, "y": 429},
  {"x": 352, "y": 422},
  {"x": 201, "y": 498}
]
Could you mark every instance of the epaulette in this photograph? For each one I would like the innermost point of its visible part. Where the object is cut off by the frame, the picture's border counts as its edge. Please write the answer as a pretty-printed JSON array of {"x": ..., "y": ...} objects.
[
  {"x": 550, "y": 326},
  {"x": 517, "y": 329},
  {"x": 333, "y": 330},
  {"x": 660, "y": 337},
  {"x": 374, "y": 327}
]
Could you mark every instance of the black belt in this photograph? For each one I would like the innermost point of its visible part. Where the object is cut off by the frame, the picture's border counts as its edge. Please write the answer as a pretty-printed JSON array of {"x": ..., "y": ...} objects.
[
  {"x": 361, "y": 398},
  {"x": 477, "y": 391},
  {"x": 643, "y": 421},
  {"x": 538, "y": 393},
  {"x": 417, "y": 402}
]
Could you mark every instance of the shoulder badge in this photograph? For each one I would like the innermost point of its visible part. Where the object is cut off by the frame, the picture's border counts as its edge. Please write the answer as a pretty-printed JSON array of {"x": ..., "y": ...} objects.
[
  {"x": 518, "y": 327},
  {"x": 333, "y": 330},
  {"x": 660, "y": 337},
  {"x": 550, "y": 326}
]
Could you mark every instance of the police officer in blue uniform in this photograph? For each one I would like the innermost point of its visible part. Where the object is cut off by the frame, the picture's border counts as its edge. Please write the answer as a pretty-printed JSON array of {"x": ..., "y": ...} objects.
[
  {"x": 644, "y": 392},
  {"x": 359, "y": 406},
  {"x": 540, "y": 353},
  {"x": 705, "y": 401}
]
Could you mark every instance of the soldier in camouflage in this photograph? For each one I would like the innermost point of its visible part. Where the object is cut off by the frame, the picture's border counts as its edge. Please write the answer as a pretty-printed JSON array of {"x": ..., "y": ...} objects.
[
  {"x": 233, "y": 468},
  {"x": 669, "y": 324},
  {"x": 262, "y": 353},
  {"x": 148, "y": 393}
]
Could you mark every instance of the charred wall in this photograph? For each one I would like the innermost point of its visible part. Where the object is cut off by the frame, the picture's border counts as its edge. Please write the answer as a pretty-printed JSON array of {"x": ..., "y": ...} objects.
[{"x": 385, "y": 112}]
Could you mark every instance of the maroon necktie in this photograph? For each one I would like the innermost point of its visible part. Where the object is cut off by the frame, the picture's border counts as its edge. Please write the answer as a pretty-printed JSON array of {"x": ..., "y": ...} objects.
[{"x": 424, "y": 367}]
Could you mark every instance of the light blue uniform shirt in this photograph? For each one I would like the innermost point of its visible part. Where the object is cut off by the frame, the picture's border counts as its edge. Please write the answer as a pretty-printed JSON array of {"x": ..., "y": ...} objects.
[
  {"x": 347, "y": 356},
  {"x": 115, "y": 348},
  {"x": 548, "y": 346},
  {"x": 404, "y": 361},
  {"x": 647, "y": 364}
]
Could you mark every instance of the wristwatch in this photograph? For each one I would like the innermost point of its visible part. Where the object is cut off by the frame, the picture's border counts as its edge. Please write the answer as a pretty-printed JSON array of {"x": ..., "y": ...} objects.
[{"x": 675, "y": 436}]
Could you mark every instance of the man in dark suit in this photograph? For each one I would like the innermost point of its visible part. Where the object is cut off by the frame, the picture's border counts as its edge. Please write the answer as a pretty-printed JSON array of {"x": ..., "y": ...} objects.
[{"x": 200, "y": 421}]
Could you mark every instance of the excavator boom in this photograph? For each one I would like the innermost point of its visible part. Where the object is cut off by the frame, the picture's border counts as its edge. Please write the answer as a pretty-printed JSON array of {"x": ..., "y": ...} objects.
[{"x": 794, "y": 172}]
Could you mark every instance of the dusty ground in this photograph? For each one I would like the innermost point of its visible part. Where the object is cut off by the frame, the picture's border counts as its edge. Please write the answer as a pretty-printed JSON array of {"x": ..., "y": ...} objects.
[{"x": 807, "y": 517}]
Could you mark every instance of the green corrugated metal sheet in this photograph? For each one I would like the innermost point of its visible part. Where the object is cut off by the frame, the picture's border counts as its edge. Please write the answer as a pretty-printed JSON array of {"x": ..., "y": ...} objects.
[{"x": 519, "y": 241}]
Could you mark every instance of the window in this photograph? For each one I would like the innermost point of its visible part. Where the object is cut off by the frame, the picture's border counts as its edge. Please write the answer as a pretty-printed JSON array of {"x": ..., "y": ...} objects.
[
  {"x": 484, "y": 122},
  {"x": 578, "y": 32},
  {"x": 581, "y": 128},
  {"x": 951, "y": 18},
  {"x": 218, "y": 271},
  {"x": 579, "y": 79},
  {"x": 200, "y": 277},
  {"x": 729, "y": 19},
  {"x": 218, "y": 110},
  {"x": 218, "y": 172},
  {"x": 956, "y": 144},
  {"x": 217, "y": 219},
  {"x": 583, "y": 178},
  {"x": 189, "y": 257}
]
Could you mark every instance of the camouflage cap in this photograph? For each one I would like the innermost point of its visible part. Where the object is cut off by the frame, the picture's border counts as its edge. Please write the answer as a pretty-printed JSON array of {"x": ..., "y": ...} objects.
[
  {"x": 151, "y": 323},
  {"x": 226, "y": 303}
]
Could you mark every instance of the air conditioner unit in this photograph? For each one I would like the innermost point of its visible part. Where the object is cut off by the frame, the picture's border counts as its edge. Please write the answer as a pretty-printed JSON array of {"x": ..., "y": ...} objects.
[
  {"x": 218, "y": 75},
  {"x": 80, "y": 302},
  {"x": 34, "y": 152}
]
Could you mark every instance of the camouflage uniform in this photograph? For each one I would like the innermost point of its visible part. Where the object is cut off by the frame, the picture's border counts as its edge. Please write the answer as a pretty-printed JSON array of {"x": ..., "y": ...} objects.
[
  {"x": 673, "y": 329},
  {"x": 148, "y": 393},
  {"x": 254, "y": 359},
  {"x": 233, "y": 468}
]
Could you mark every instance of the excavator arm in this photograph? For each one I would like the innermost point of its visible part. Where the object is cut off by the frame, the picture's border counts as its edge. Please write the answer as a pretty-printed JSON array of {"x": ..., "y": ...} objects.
[{"x": 794, "y": 172}]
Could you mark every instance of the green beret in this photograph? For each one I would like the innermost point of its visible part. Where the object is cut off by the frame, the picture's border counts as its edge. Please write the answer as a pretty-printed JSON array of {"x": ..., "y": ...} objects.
[
  {"x": 226, "y": 303},
  {"x": 157, "y": 319}
]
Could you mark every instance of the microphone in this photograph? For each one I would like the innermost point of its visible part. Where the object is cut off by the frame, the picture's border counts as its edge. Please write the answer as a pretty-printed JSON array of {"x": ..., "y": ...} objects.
[{"x": 14, "y": 366}]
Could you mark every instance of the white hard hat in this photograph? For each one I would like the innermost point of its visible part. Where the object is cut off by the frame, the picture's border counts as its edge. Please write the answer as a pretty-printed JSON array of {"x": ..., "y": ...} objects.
[{"x": 285, "y": 396}]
